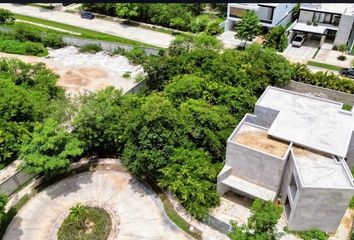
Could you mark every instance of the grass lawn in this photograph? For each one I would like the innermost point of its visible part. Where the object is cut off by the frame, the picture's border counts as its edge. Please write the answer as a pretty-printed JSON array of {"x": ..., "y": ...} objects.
[
  {"x": 324, "y": 65},
  {"x": 85, "y": 33}
]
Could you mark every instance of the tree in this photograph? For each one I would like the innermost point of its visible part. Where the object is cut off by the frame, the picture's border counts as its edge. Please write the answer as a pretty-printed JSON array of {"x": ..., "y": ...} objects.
[
  {"x": 6, "y": 16},
  {"x": 49, "y": 150},
  {"x": 207, "y": 126},
  {"x": 296, "y": 12},
  {"x": 261, "y": 225},
  {"x": 99, "y": 124},
  {"x": 248, "y": 27},
  {"x": 154, "y": 131},
  {"x": 191, "y": 176},
  {"x": 276, "y": 39},
  {"x": 313, "y": 234},
  {"x": 127, "y": 10}
]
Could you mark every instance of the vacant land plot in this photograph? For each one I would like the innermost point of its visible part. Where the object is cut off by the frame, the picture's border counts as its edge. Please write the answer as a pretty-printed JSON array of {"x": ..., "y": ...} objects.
[{"x": 82, "y": 72}]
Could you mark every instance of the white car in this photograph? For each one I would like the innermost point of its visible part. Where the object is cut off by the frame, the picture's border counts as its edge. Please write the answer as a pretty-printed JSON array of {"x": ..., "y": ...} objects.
[{"x": 298, "y": 40}]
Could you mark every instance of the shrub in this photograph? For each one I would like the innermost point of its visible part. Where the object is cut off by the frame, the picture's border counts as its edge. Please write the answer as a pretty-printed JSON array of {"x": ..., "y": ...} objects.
[
  {"x": 127, "y": 74},
  {"x": 23, "y": 48},
  {"x": 24, "y": 33},
  {"x": 90, "y": 48},
  {"x": 52, "y": 40},
  {"x": 119, "y": 51},
  {"x": 200, "y": 23},
  {"x": 314, "y": 234},
  {"x": 213, "y": 28},
  {"x": 276, "y": 38},
  {"x": 6, "y": 16},
  {"x": 136, "y": 55},
  {"x": 341, "y": 58}
]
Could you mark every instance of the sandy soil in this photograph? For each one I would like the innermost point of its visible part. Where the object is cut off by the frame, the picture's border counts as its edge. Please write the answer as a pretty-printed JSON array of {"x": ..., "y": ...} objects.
[
  {"x": 80, "y": 73},
  {"x": 258, "y": 139}
]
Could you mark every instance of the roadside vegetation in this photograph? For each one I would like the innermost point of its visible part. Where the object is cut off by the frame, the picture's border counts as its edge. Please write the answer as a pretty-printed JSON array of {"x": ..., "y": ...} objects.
[
  {"x": 84, "y": 33},
  {"x": 185, "y": 17},
  {"x": 324, "y": 65}
]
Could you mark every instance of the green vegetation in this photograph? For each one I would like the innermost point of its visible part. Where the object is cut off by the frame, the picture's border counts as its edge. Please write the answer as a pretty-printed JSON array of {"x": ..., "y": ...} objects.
[
  {"x": 3, "y": 201},
  {"x": 90, "y": 48},
  {"x": 248, "y": 28},
  {"x": 126, "y": 75},
  {"x": 29, "y": 95},
  {"x": 12, "y": 213},
  {"x": 324, "y": 65},
  {"x": 6, "y": 16},
  {"x": 49, "y": 150},
  {"x": 192, "y": 177},
  {"x": 276, "y": 38},
  {"x": 23, "y": 48},
  {"x": 314, "y": 234},
  {"x": 84, "y": 33},
  {"x": 86, "y": 223},
  {"x": 347, "y": 107},
  {"x": 322, "y": 79},
  {"x": 185, "y": 17},
  {"x": 260, "y": 225},
  {"x": 172, "y": 214},
  {"x": 351, "y": 204}
]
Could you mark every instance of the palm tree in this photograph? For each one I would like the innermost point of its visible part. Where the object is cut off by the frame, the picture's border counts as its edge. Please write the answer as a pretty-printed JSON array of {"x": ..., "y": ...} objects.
[{"x": 78, "y": 215}]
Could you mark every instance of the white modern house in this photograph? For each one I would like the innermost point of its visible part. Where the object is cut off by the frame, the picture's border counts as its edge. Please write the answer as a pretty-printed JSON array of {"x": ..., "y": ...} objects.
[
  {"x": 270, "y": 14},
  {"x": 334, "y": 22},
  {"x": 296, "y": 147}
]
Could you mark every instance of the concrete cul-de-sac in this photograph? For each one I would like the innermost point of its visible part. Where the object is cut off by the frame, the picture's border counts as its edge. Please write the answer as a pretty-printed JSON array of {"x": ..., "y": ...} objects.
[{"x": 136, "y": 211}]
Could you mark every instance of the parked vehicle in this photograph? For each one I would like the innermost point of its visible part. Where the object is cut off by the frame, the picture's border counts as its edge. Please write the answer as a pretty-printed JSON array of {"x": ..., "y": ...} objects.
[
  {"x": 87, "y": 15},
  {"x": 347, "y": 72},
  {"x": 298, "y": 40}
]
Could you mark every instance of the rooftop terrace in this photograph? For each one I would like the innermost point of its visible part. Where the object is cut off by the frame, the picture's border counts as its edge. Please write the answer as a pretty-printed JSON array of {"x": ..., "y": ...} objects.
[
  {"x": 258, "y": 139},
  {"x": 341, "y": 8},
  {"x": 320, "y": 170}
]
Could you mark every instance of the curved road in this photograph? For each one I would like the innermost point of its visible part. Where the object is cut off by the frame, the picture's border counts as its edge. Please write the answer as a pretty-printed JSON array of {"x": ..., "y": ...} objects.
[
  {"x": 139, "y": 210},
  {"x": 130, "y": 32}
]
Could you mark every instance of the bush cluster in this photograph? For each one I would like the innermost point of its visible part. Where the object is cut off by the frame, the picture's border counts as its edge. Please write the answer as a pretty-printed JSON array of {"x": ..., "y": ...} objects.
[
  {"x": 186, "y": 17},
  {"x": 322, "y": 79},
  {"x": 91, "y": 48}
]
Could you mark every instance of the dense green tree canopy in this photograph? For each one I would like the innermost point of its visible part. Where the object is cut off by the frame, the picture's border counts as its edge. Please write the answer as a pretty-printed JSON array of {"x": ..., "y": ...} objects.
[
  {"x": 49, "y": 150},
  {"x": 191, "y": 176},
  {"x": 276, "y": 38}
]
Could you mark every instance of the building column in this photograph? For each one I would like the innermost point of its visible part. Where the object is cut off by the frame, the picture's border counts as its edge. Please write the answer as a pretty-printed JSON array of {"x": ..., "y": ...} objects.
[
  {"x": 291, "y": 36},
  {"x": 323, "y": 38}
]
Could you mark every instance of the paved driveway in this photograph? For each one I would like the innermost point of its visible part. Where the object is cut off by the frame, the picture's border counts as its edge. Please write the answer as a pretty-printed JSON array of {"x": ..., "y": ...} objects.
[
  {"x": 130, "y": 32},
  {"x": 301, "y": 54},
  {"x": 136, "y": 211}
]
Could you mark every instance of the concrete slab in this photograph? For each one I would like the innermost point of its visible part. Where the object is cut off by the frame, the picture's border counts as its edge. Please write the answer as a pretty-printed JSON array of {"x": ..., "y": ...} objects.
[
  {"x": 140, "y": 212},
  {"x": 319, "y": 170}
]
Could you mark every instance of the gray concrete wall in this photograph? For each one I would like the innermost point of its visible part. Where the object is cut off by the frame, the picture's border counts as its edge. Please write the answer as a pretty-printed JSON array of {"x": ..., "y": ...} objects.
[
  {"x": 217, "y": 224},
  {"x": 344, "y": 29},
  {"x": 106, "y": 46},
  {"x": 11, "y": 184},
  {"x": 265, "y": 116},
  {"x": 305, "y": 16},
  {"x": 350, "y": 153},
  {"x": 329, "y": 93},
  {"x": 282, "y": 14},
  {"x": 140, "y": 86},
  {"x": 289, "y": 171},
  {"x": 319, "y": 208},
  {"x": 254, "y": 166}
]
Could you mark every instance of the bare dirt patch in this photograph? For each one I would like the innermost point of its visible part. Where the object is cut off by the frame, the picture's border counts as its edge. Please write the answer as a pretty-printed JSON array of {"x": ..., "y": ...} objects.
[{"x": 258, "y": 139}]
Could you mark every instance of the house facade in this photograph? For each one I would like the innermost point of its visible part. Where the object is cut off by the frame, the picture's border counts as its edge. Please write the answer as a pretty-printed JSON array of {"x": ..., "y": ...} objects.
[
  {"x": 334, "y": 22},
  {"x": 296, "y": 147},
  {"x": 270, "y": 14}
]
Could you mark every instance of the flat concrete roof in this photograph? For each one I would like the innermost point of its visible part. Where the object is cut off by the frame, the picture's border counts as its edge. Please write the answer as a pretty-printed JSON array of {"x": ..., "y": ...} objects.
[
  {"x": 309, "y": 121},
  {"x": 257, "y": 138},
  {"x": 303, "y": 27},
  {"x": 319, "y": 170},
  {"x": 340, "y": 8}
]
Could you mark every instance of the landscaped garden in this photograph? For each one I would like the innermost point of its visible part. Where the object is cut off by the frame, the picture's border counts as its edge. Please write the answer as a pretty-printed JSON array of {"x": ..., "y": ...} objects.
[{"x": 85, "y": 223}]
